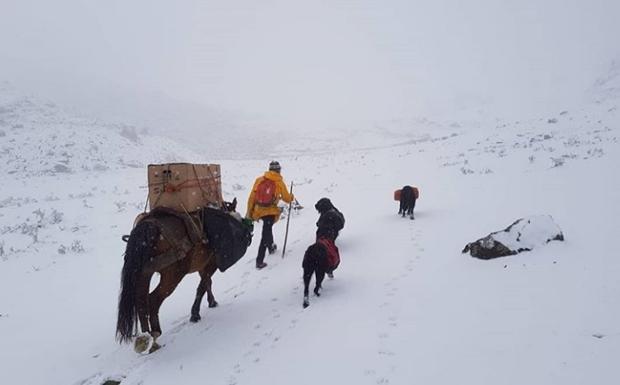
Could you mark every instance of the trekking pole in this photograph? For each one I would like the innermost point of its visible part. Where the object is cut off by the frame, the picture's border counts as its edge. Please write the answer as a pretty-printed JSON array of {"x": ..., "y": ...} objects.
[{"x": 288, "y": 220}]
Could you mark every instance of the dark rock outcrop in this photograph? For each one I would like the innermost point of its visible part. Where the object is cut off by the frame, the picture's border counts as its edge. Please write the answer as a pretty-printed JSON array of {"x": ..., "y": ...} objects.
[{"x": 523, "y": 235}]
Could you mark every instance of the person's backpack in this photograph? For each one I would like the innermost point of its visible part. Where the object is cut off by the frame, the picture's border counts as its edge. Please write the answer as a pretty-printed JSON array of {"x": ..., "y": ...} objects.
[
  {"x": 340, "y": 219},
  {"x": 265, "y": 192}
]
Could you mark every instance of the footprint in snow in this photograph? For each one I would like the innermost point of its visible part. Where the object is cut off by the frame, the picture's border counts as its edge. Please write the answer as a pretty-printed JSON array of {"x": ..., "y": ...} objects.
[{"x": 293, "y": 323}]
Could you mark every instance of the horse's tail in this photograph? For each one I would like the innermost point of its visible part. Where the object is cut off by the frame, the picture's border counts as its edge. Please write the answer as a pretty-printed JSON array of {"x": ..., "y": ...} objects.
[{"x": 140, "y": 248}]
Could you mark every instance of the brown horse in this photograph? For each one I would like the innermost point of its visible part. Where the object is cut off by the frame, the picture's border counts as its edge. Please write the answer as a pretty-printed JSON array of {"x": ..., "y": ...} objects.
[{"x": 161, "y": 245}]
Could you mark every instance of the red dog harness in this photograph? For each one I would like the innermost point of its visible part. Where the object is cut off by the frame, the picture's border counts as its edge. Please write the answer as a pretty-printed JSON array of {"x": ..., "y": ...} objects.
[{"x": 333, "y": 256}]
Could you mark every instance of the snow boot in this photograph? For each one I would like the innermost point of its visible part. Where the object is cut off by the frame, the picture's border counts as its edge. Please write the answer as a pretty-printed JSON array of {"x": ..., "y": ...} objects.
[{"x": 272, "y": 249}]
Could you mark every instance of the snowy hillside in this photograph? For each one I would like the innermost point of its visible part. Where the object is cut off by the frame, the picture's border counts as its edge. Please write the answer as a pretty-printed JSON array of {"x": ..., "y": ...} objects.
[
  {"x": 38, "y": 138},
  {"x": 405, "y": 307}
]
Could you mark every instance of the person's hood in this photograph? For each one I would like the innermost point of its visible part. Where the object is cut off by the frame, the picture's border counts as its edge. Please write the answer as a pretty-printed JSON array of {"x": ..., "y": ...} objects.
[{"x": 272, "y": 175}]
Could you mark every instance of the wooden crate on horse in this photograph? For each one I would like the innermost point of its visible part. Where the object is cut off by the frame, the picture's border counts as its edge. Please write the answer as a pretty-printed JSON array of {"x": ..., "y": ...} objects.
[{"x": 184, "y": 187}]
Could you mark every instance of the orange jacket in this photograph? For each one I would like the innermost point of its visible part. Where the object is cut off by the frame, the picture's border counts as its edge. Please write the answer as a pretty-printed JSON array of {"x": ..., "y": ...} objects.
[{"x": 254, "y": 211}]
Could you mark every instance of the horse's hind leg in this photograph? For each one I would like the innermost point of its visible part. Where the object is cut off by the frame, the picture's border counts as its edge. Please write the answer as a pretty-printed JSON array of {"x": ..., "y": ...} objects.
[
  {"x": 141, "y": 342},
  {"x": 203, "y": 286},
  {"x": 169, "y": 279},
  {"x": 142, "y": 301}
]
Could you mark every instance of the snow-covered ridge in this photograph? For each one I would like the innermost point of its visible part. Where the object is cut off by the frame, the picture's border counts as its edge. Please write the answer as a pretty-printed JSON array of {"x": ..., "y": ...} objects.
[
  {"x": 607, "y": 87},
  {"x": 38, "y": 138}
]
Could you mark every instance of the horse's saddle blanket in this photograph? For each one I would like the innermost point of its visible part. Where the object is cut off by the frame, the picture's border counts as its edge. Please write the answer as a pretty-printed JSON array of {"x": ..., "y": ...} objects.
[{"x": 182, "y": 231}]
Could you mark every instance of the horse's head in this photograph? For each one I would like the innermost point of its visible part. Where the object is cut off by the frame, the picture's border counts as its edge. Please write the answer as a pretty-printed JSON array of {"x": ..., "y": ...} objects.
[{"x": 230, "y": 206}]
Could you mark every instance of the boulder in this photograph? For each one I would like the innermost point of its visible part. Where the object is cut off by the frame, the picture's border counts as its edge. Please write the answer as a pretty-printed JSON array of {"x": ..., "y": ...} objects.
[{"x": 523, "y": 235}]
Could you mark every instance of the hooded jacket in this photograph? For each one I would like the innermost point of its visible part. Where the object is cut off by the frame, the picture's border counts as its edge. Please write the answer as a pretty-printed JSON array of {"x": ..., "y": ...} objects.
[{"x": 254, "y": 211}]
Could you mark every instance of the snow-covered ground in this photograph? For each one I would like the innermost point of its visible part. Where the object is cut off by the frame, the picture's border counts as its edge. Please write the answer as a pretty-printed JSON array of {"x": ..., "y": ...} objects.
[{"x": 405, "y": 307}]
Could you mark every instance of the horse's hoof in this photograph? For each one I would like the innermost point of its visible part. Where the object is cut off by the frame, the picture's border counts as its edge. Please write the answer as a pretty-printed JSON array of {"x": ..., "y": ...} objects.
[
  {"x": 143, "y": 343},
  {"x": 306, "y": 304},
  {"x": 316, "y": 292},
  {"x": 213, "y": 304},
  {"x": 155, "y": 347},
  {"x": 194, "y": 318}
]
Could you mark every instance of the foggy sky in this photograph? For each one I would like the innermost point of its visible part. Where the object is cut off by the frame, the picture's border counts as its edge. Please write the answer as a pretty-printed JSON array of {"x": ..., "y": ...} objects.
[{"x": 305, "y": 64}]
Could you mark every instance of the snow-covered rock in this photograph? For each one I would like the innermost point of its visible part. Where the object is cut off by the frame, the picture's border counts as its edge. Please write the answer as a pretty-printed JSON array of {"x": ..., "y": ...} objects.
[{"x": 523, "y": 235}]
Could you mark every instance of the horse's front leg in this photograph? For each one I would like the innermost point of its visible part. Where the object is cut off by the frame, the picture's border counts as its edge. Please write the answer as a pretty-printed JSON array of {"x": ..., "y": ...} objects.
[
  {"x": 210, "y": 297},
  {"x": 203, "y": 286}
]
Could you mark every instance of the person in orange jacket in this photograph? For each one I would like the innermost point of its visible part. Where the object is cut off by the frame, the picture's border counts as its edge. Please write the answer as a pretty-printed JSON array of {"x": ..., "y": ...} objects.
[{"x": 267, "y": 191}]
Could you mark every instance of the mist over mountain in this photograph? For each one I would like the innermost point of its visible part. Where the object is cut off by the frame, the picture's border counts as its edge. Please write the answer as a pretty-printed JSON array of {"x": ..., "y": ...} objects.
[{"x": 210, "y": 69}]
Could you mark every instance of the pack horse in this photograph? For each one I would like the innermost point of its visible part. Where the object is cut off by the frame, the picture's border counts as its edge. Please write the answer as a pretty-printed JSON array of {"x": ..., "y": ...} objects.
[{"x": 205, "y": 236}]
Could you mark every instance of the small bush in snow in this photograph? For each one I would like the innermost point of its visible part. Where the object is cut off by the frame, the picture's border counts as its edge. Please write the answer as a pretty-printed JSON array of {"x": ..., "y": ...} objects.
[
  {"x": 55, "y": 217},
  {"x": 51, "y": 198},
  {"x": 557, "y": 162},
  {"x": 77, "y": 247},
  {"x": 61, "y": 168}
]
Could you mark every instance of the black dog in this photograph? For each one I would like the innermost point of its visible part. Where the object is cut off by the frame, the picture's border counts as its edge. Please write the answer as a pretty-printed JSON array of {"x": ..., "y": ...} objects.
[
  {"x": 331, "y": 220},
  {"x": 407, "y": 201},
  {"x": 320, "y": 258}
]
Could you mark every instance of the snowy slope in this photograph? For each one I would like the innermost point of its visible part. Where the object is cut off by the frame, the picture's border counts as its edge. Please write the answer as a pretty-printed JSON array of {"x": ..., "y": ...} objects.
[
  {"x": 38, "y": 138},
  {"x": 405, "y": 306}
]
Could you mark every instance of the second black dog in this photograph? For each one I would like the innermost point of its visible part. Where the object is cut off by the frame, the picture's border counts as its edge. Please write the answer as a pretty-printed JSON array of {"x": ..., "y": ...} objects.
[{"x": 407, "y": 201}]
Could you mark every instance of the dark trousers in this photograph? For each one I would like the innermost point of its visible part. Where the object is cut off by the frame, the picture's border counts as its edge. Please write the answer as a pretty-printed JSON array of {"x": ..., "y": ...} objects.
[{"x": 266, "y": 237}]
